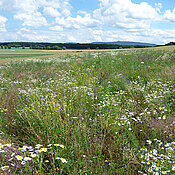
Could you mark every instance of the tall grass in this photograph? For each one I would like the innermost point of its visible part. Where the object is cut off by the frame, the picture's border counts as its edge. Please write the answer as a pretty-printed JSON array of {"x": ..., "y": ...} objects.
[{"x": 95, "y": 113}]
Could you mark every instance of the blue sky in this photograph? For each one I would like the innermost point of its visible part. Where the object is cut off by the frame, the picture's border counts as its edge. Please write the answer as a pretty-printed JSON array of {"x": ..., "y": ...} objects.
[{"x": 84, "y": 21}]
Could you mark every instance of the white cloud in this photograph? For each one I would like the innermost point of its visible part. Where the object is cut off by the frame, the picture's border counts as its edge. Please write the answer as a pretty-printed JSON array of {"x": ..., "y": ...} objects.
[
  {"x": 156, "y": 36},
  {"x": 170, "y": 16},
  {"x": 113, "y": 20},
  {"x": 50, "y": 11},
  {"x": 77, "y": 22},
  {"x": 29, "y": 11},
  {"x": 20, "y": 6},
  {"x": 56, "y": 8},
  {"x": 39, "y": 36},
  {"x": 159, "y": 36},
  {"x": 2, "y": 24},
  {"x": 56, "y": 28},
  {"x": 125, "y": 14},
  {"x": 158, "y": 7},
  {"x": 90, "y": 35},
  {"x": 35, "y": 20},
  {"x": 25, "y": 29}
]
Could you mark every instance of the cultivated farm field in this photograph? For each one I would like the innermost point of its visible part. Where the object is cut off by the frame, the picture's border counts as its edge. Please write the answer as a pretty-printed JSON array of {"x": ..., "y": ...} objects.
[{"x": 87, "y": 112}]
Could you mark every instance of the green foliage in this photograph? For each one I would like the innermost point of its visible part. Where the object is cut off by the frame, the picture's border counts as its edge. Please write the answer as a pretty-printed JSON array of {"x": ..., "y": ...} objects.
[
  {"x": 106, "y": 108},
  {"x": 5, "y": 56}
]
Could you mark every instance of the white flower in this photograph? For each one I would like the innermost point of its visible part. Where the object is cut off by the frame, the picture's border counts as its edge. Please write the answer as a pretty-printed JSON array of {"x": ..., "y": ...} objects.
[
  {"x": 149, "y": 141},
  {"x": 156, "y": 168},
  {"x": 33, "y": 155},
  {"x": 18, "y": 157},
  {"x": 23, "y": 163},
  {"x": 62, "y": 159},
  {"x": 147, "y": 158},
  {"x": 24, "y": 148},
  {"x": 141, "y": 156},
  {"x": 167, "y": 145},
  {"x": 38, "y": 151},
  {"x": 8, "y": 145},
  {"x": 164, "y": 117},
  {"x": 30, "y": 148},
  {"x": 150, "y": 170},
  {"x": 43, "y": 149},
  {"x": 62, "y": 146},
  {"x": 154, "y": 152},
  {"x": 38, "y": 146},
  {"x": 5, "y": 168},
  {"x": 27, "y": 158}
]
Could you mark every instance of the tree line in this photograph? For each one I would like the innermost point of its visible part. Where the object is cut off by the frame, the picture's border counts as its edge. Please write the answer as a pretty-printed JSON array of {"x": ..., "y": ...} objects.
[{"x": 63, "y": 46}]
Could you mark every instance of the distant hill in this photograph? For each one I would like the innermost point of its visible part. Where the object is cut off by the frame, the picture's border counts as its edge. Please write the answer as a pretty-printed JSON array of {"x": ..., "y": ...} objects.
[{"x": 126, "y": 43}]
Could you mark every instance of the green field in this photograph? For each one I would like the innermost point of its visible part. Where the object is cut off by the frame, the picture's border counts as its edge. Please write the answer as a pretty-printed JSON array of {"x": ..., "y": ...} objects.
[
  {"x": 7, "y": 56},
  {"x": 91, "y": 112}
]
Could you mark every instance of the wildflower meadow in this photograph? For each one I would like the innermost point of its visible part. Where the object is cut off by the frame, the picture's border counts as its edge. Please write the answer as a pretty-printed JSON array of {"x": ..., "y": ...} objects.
[{"x": 85, "y": 113}]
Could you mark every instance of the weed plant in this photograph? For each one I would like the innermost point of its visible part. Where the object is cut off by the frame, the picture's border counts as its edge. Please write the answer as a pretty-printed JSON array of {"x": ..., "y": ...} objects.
[{"x": 95, "y": 113}]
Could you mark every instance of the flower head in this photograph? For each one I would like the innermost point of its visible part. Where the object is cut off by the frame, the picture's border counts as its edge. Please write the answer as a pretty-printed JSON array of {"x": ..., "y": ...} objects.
[
  {"x": 5, "y": 168},
  {"x": 18, "y": 157},
  {"x": 62, "y": 160},
  {"x": 149, "y": 142},
  {"x": 27, "y": 158}
]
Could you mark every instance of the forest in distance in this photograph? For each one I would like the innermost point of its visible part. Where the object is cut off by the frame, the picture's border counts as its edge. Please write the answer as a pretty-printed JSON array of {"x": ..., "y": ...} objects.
[{"x": 64, "y": 46}]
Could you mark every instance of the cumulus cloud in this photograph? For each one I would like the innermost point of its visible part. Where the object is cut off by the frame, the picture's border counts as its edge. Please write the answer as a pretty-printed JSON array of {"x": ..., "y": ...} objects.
[
  {"x": 157, "y": 36},
  {"x": 56, "y": 8},
  {"x": 35, "y": 20},
  {"x": 29, "y": 11},
  {"x": 125, "y": 14},
  {"x": 50, "y": 11},
  {"x": 77, "y": 22},
  {"x": 113, "y": 20},
  {"x": 2, "y": 24},
  {"x": 170, "y": 16}
]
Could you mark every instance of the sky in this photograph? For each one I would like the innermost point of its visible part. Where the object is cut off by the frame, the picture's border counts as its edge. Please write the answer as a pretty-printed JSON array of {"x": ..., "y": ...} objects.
[{"x": 84, "y": 21}]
